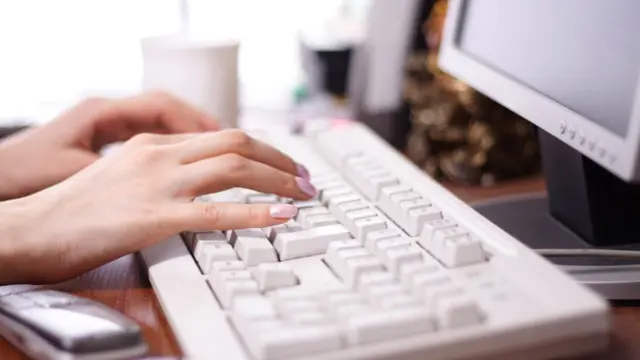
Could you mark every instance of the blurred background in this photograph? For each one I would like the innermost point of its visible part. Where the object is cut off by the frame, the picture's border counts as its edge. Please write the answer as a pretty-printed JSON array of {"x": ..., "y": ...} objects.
[
  {"x": 54, "y": 52},
  {"x": 371, "y": 60}
]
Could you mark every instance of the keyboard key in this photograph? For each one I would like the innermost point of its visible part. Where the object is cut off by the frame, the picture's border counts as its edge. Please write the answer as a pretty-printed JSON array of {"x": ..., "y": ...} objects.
[
  {"x": 394, "y": 258},
  {"x": 461, "y": 251},
  {"x": 369, "y": 171},
  {"x": 366, "y": 281},
  {"x": 367, "y": 175},
  {"x": 383, "y": 246},
  {"x": 341, "y": 245},
  {"x": 332, "y": 300},
  {"x": 398, "y": 301},
  {"x": 308, "y": 242},
  {"x": 220, "y": 266},
  {"x": 341, "y": 312},
  {"x": 274, "y": 276},
  {"x": 306, "y": 204},
  {"x": 366, "y": 169},
  {"x": 440, "y": 237},
  {"x": 213, "y": 253},
  {"x": 398, "y": 198},
  {"x": 336, "y": 201},
  {"x": 249, "y": 328},
  {"x": 349, "y": 218},
  {"x": 293, "y": 342},
  {"x": 358, "y": 160},
  {"x": 327, "y": 195},
  {"x": 328, "y": 184},
  {"x": 339, "y": 252},
  {"x": 421, "y": 282},
  {"x": 201, "y": 239},
  {"x": 388, "y": 191},
  {"x": 375, "y": 236},
  {"x": 456, "y": 312},
  {"x": 235, "y": 275},
  {"x": 434, "y": 294},
  {"x": 310, "y": 211},
  {"x": 341, "y": 209},
  {"x": 288, "y": 227},
  {"x": 387, "y": 325},
  {"x": 322, "y": 178},
  {"x": 356, "y": 267},
  {"x": 320, "y": 220},
  {"x": 290, "y": 306},
  {"x": 417, "y": 218},
  {"x": 379, "y": 182},
  {"x": 365, "y": 226},
  {"x": 352, "y": 216},
  {"x": 228, "y": 290},
  {"x": 409, "y": 270},
  {"x": 407, "y": 205},
  {"x": 254, "y": 251},
  {"x": 332, "y": 254},
  {"x": 430, "y": 227},
  {"x": 378, "y": 292},
  {"x": 308, "y": 318},
  {"x": 233, "y": 235},
  {"x": 252, "y": 308}
]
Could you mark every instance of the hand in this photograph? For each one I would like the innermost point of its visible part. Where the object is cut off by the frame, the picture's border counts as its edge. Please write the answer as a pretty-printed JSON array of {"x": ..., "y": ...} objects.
[
  {"x": 142, "y": 194},
  {"x": 40, "y": 157}
]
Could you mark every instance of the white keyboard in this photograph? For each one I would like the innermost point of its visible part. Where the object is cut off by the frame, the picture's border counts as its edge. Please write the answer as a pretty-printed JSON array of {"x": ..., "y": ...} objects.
[{"x": 384, "y": 264}]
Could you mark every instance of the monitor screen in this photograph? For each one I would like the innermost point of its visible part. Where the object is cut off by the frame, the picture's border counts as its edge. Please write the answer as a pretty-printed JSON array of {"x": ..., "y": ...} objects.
[{"x": 583, "y": 54}]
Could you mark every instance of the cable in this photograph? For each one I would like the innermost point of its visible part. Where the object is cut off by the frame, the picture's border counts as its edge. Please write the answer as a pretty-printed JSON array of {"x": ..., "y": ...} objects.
[{"x": 626, "y": 254}]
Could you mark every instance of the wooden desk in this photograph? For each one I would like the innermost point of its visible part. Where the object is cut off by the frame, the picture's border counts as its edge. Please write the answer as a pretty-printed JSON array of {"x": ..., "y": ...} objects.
[{"x": 123, "y": 286}]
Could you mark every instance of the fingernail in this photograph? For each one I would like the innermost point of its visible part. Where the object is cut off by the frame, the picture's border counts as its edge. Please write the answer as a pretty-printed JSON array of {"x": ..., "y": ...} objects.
[
  {"x": 283, "y": 211},
  {"x": 306, "y": 187},
  {"x": 303, "y": 172}
]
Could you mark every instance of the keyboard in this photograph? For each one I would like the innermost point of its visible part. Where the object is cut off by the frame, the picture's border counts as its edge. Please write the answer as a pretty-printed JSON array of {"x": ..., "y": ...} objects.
[{"x": 383, "y": 264}]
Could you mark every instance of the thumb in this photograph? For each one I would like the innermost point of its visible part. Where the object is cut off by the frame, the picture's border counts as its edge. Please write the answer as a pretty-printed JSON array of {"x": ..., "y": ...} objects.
[{"x": 202, "y": 216}]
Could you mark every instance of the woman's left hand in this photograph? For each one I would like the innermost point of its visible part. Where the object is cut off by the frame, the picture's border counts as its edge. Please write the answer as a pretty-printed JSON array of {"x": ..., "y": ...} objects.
[{"x": 43, "y": 156}]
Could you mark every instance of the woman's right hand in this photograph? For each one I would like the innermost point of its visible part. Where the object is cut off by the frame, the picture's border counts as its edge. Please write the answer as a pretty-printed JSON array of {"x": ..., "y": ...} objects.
[{"x": 140, "y": 195}]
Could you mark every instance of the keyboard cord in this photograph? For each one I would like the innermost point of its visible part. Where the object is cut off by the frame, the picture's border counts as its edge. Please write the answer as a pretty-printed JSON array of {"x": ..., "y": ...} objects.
[{"x": 625, "y": 254}]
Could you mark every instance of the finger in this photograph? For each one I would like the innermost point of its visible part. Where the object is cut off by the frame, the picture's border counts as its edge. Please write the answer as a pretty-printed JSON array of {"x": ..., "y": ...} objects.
[
  {"x": 238, "y": 142},
  {"x": 162, "y": 139},
  {"x": 176, "y": 115},
  {"x": 231, "y": 170},
  {"x": 201, "y": 216},
  {"x": 155, "y": 112}
]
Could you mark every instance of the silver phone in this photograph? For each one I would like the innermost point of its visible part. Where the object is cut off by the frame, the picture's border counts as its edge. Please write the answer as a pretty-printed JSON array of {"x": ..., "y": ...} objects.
[{"x": 53, "y": 325}]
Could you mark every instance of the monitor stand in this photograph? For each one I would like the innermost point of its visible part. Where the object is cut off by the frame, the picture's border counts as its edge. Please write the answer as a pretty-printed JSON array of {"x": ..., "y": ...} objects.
[{"x": 585, "y": 207}]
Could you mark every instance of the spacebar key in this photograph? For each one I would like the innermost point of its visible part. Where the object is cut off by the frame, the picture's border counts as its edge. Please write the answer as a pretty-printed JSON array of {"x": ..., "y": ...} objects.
[{"x": 309, "y": 242}]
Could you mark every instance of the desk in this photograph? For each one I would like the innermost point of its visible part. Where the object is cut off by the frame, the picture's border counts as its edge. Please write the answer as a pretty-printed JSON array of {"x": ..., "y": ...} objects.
[{"x": 123, "y": 286}]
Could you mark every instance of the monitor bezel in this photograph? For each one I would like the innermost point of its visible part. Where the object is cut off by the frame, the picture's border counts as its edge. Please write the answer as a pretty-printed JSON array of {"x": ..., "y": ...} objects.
[{"x": 615, "y": 153}]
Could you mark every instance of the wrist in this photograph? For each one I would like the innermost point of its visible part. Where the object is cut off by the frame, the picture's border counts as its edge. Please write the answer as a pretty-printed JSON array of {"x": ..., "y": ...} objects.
[
  {"x": 15, "y": 222},
  {"x": 7, "y": 189},
  {"x": 8, "y": 186}
]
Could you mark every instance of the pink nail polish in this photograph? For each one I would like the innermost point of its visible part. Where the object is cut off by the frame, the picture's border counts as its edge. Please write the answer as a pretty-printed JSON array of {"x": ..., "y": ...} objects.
[
  {"x": 283, "y": 211},
  {"x": 303, "y": 172},
  {"x": 306, "y": 187}
]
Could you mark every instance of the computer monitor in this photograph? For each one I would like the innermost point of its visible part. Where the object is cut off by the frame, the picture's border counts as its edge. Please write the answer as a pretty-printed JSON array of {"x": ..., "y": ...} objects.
[{"x": 572, "y": 68}]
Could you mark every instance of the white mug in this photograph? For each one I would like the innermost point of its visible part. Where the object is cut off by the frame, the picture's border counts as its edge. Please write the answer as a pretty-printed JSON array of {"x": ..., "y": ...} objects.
[{"x": 198, "y": 70}]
